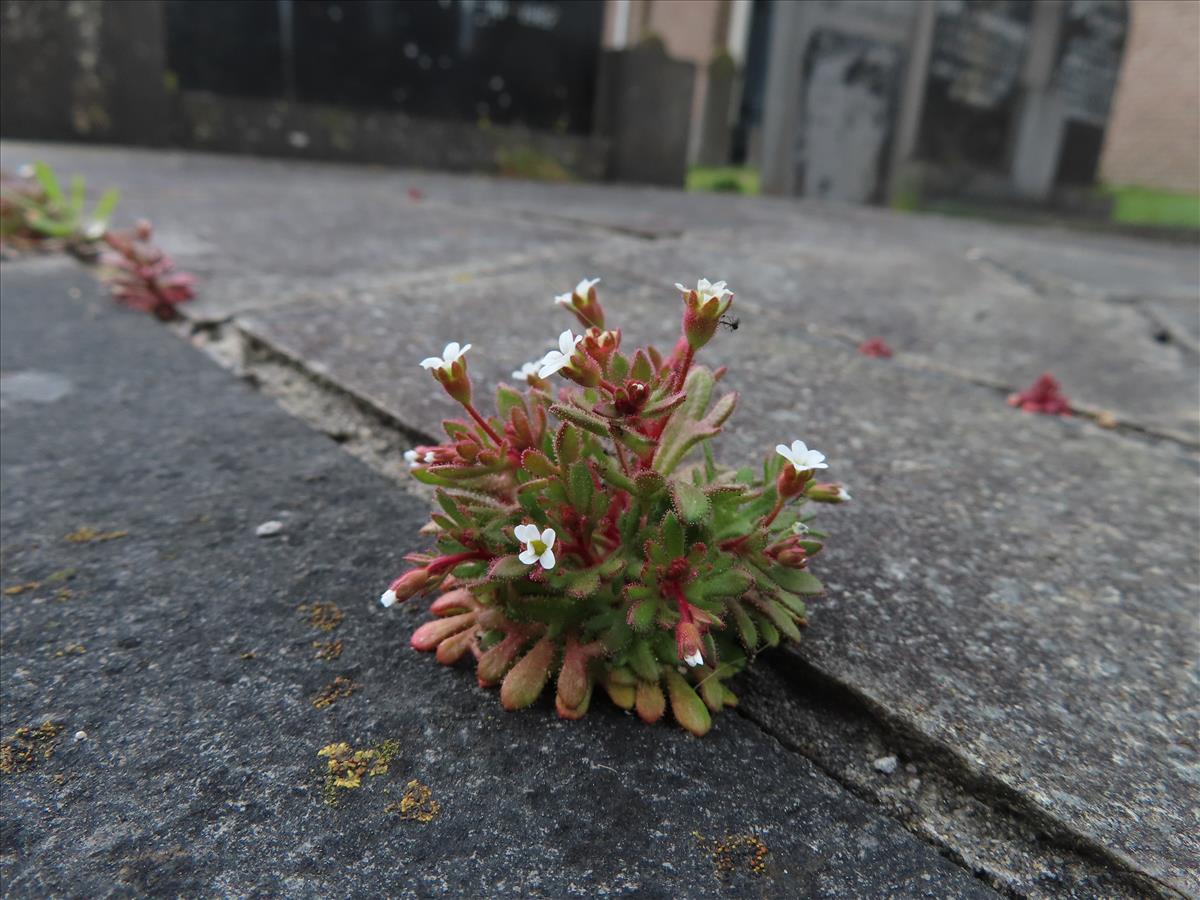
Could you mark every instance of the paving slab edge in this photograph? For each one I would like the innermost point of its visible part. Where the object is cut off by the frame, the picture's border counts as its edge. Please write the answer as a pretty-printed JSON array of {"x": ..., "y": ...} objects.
[{"x": 1037, "y": 844}]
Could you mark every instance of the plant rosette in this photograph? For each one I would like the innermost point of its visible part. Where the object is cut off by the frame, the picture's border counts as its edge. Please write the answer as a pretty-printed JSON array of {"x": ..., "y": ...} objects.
[{"x": 586, "y": 535}]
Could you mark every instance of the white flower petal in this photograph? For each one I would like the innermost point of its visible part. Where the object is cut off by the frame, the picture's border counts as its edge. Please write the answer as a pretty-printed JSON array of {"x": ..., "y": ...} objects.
[
  {"x": 547, "y": 559},
  {"x": 410, "y": 457},
  {"x": 553, "y": 362},
  {"x": 451, "y": 353},
  {"x": 567, "y": 342},
  {"x": 564, "y": 299},
  {"x": 586, "y": 285},
  {"x": 388, "y": 598},
  {"x": 525, "y": 532},
  {"x": 548, "y": 537},
  {"x": 528, "y": 556},
  {"x": 431, "y": 362},
  {"x": 696, "y": 659},
  {"x": 682, "y": 288}
]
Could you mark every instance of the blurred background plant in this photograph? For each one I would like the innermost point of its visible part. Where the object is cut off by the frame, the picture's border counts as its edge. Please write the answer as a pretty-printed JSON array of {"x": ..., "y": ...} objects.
[{"x": 36, "y": 213}]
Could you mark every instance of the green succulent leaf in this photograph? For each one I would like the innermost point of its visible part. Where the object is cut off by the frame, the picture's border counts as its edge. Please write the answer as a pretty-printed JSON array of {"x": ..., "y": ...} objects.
[{"x": 690, "y": 502}]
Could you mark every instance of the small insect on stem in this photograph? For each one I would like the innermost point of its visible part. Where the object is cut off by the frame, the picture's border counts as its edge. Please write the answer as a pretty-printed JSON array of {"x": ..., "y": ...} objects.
[{"x": 730, "y": 322}]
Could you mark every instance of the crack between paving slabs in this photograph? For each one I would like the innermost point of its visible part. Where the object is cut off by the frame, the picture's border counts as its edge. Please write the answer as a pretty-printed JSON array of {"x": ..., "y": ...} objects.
[{"x": 998, "y": 798}]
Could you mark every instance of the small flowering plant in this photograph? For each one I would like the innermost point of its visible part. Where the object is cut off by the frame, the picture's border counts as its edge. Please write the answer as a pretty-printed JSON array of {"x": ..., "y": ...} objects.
[
  {"x": 142, "y": 276},
  {"x": 586, "y": 534}
]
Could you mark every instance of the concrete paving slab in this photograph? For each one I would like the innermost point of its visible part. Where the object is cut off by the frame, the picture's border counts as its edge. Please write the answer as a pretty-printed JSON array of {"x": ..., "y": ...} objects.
[
  {"x": 167, "y": 647},
  {"x": 1022, "y": 590},
  {"x": 261, "y": 233},
  {"x": 949, "y": 309}
]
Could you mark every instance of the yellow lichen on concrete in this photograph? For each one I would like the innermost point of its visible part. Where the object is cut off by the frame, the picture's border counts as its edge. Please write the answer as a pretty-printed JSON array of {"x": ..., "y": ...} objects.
[
  {"x": 88, "y": 535},
  {"x": 340, "y": 687},
  {"x": 346, "y": 767},
  {"x": 328, "y": 650},
  {"x": 27, "y": 746},
  {"x": 734, "y": 852},
  {"x": 325, "y": 616},
  {"x": 417, "y": 804}
]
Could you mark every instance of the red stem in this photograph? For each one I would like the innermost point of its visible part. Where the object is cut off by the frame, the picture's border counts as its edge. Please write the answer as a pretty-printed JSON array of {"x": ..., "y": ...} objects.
[
  {"x": 443, "y": 563},
  {"x": 483, "y": 424},
  {"x": 682, "y": 371}
]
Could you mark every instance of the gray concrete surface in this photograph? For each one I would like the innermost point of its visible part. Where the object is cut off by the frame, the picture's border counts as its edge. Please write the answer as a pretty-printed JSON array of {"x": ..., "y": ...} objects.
[{"x": 1016, "y": 596}]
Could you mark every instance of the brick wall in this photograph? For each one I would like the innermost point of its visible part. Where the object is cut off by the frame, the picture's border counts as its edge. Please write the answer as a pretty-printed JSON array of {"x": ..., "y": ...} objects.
[{"x": 1153, "y": 137}]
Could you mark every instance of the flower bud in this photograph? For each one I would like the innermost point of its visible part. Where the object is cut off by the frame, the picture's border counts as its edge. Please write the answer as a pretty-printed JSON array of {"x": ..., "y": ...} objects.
[
  {"x": 703, "y": 307},
  {"x": 600, "y": 345},
  {"x": 630, "y": 397},
  {"x": 827, "y": 492},
  {"x": 407, "y": 585},
  {"x": 450, "y": 370},
  {"x": 687, "y": 642},
  {"x": 793, "y": 557},
  {"x": 583, "y": 302},
  {"x": 791, "y": 481},
  {"x": 455, "y": 380}
]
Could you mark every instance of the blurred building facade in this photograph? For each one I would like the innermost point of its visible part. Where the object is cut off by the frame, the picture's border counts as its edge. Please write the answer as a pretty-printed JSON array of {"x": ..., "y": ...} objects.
[
  {"x": 854, "y": 100},
  {"x": 1153, "y": 135}
]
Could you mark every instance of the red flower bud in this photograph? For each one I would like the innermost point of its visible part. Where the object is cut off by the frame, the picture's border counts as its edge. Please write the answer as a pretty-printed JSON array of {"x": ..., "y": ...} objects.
[{"x": 407, "y": 585}]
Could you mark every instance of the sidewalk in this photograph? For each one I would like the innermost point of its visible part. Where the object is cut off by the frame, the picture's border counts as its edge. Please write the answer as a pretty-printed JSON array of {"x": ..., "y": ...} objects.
[{"x": 1012, "y": 599}]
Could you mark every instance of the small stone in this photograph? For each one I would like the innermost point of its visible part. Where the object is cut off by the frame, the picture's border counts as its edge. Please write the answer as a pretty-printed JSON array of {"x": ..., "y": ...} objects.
[
  {"x": 910, "y": 768},
  {"x": 886, "y": 764},
  {"x": 80, "y": 736},
  {"x": 267, "y": 529}
]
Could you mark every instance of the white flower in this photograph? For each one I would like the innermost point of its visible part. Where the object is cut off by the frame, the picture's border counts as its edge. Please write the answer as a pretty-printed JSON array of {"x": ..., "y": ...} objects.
[
  {"x": 801, "y": 457},
  {"x": 843, "y": 494},
  {"x": 537, "y": 545},
  {"x": 581, "y": 291},
  {"x": 449, "y": 356},
  {"x": 799, "y": 528},
  {"x": 528, "y": 369},
  {"x": 706, "y": 289},
  {"x": 696, "y": 659},
  {"x": 388, "y": 598},
  {"x": 560, "y": 358}
]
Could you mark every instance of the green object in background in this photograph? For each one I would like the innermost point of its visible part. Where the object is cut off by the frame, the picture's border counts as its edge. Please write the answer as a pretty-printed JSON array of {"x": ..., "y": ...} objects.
[
  {"x": 1147, "y": 206},
  {"x": 728, "y": 179}
]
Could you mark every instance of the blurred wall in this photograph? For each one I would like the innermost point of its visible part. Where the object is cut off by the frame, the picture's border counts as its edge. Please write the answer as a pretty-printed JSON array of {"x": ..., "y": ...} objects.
[
  {"x": 506, "y": 86},
  {"x": 1153, "y": 137},
  {"x": 697, "y": 31}
]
